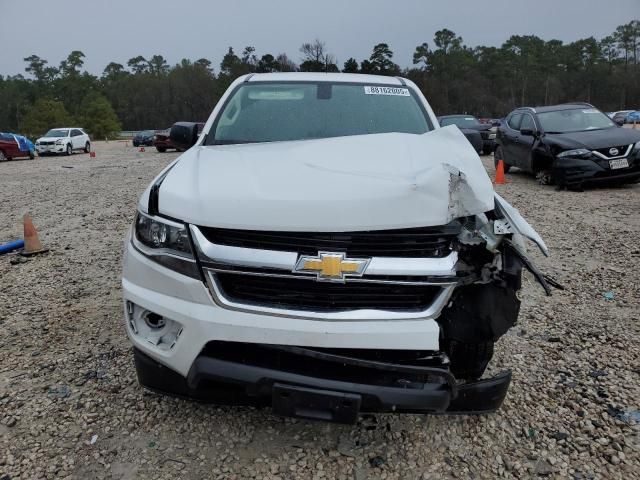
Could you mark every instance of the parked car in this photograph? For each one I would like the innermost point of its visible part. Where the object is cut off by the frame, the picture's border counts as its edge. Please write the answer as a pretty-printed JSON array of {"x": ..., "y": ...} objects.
[
  {"x": 572, "y": 145},
  {"x": 144, "y": 138},
  {"x": 162, "y": 141},
  {"x": 473, "y": 135},
  {"x": 326, "y": 248},
  {"x": 487, "y": 131},
  {"x": 63, "y": 140},
  {"x": 620, "y": 116},
  {"x": 15, "y": 146},
  {"x": 633, "y": 117}
]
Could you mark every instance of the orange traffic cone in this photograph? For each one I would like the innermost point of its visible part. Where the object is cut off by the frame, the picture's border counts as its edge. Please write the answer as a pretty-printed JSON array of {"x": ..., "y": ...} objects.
[
  {"x": 32, "y": 244},
  {"x": 141, "y": 149},
  {"x": 92, "y": 154},
  {"x": 500, "y": 180}
]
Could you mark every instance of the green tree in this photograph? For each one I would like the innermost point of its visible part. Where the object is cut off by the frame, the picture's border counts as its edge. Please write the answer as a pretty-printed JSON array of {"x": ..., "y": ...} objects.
[
  {"x": 381, "y": 63},
  {"x": 98, "y": 118},
  {"x": 267, "y": 64},
  {"x": 44, "y": 115},
  {"x": 72, "y": 65},
  {"x": 350, "y": 66},
  {"x": 158, "y": 65},
  {"x": 421, "y": 55},
  {"x": 138, "y": 65},
  {"x": 37, "y": 67}
]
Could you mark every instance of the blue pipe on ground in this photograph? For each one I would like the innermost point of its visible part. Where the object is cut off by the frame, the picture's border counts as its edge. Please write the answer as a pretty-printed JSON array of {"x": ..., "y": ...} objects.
[{"x": 8, "y": 247}]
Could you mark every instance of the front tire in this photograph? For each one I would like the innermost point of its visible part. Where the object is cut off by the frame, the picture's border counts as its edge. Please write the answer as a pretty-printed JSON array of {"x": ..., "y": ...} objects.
[
  {"x": 499, "y": 155},
  {"x": 69, "y": 149},
  {"x": 161, "y": 149},
  {"x": 87, "y": 147}
]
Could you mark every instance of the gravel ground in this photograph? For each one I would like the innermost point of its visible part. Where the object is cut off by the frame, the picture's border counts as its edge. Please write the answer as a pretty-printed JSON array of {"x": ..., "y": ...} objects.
[{"x": 70, "y": 405}]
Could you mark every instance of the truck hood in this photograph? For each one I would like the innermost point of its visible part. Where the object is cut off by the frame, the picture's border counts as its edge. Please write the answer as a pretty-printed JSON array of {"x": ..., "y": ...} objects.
[{"x": 365, "y": 182}]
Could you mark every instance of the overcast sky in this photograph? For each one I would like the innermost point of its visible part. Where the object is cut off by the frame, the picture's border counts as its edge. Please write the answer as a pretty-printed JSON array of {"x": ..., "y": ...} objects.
[{"x": 116, "y": 30}]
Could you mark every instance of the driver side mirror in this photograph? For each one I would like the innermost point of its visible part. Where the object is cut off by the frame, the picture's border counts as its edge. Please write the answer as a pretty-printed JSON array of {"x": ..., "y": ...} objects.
[
  {"x": 619, "y": 121},
  {"x": 184, "y": 134},
  {"x": 527, "y": 132}
]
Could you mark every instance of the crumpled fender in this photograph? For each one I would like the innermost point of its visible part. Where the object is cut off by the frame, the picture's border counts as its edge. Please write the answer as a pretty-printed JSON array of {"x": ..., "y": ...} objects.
[{"x": 519, "y": 224}]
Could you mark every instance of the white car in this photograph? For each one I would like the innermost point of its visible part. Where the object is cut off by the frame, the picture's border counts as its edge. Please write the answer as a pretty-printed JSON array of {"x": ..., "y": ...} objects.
[
  {"x": 63, "y": 140},
  {"x": 326, "y": 248}
]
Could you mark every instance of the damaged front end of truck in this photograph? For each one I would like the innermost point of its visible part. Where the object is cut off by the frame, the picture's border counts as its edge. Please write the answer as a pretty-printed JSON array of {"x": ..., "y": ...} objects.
[{"x": 372, "y": 286}]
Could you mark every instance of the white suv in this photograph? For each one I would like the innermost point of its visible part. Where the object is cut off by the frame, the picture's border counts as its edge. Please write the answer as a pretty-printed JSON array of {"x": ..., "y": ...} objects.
[
  {"x": 63, "y": 140},
  {"x": 326, "y": 248}
]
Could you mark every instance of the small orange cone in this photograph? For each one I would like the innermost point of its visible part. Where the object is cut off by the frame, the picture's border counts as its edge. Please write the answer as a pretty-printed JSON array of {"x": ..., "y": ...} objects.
[
  {"x": 500, "y": 180},
  {"x": 32, "y": 244},
  {"x": 141, "y": 149},
  {"x": 92, "y": 154}
]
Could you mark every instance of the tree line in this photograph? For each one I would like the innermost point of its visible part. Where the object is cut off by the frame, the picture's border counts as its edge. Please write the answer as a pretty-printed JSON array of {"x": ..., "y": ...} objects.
[{"x": 484, "y": 81}]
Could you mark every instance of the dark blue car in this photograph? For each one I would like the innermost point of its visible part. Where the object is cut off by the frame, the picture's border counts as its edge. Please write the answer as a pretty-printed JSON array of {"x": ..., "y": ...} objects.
[{"x": 144, "y": 138}]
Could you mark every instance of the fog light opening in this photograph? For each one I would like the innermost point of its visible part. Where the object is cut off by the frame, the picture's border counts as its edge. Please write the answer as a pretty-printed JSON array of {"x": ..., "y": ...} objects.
[
  {"x": 153, "y": 320},
  {"x": 161, "y": 332}
]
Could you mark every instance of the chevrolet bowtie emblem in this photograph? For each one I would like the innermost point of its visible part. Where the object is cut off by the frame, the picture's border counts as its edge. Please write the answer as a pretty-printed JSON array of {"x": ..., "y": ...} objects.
[{"x": 330, "y": 266}]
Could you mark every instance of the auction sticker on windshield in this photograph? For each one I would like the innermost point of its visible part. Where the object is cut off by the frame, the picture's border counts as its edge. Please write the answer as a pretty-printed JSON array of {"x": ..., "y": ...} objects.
[{"x": 372, "y": 90}]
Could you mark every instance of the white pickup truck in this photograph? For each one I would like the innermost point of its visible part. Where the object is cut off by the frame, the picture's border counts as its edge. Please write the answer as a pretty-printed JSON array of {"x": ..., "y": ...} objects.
[{"x": 324, "y": 248}]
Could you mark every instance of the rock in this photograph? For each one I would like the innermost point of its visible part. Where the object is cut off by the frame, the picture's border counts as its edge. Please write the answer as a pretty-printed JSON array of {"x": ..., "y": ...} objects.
[
  {"x": 543, "y": 468},
  {"x": 560, "y": 436}
]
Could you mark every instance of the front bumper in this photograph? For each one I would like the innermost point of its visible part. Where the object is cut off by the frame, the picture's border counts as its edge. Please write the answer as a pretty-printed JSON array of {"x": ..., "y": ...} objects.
[
  {"x": 188, "y": 366},
  {"x": 45, "y": 149},
  {"x": 576, "y": 173},
  {"x": 318, "y": 397}
]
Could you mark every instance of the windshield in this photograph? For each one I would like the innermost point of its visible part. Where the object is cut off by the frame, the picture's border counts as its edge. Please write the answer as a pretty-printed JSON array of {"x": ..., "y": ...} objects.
[
  {"x": 461, "y": 122},
  {"x": 574, "y": 120},
  {"x": 57, "y": 133},
  {"x": 272, "y": 112}
]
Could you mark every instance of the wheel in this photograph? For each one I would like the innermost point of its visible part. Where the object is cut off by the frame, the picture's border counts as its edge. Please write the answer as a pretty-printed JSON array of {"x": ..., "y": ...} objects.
[
  {"x": 87, "y": 147},
  {"x": 468, "y": 360},
  {"x": 2, "y": 156},
  {"x": 499, "y": 155},
  {"x": 161, "y": 149},
  {"x": 544, "y": 177},
  {"x": 69, "y": 149}
]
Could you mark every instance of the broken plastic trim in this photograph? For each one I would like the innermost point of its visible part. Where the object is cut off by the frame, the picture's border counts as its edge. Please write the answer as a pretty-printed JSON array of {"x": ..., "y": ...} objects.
[{"x": 510, "y": 247}]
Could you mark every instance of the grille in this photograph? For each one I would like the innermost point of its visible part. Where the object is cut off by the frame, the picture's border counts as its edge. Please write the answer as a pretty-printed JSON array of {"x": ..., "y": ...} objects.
[
  {"x": 409, "y": 242},
  {"x": 308, "y": 294},
  {"x": 622, "y": 149},
  {"x": 47, "y": 143}
]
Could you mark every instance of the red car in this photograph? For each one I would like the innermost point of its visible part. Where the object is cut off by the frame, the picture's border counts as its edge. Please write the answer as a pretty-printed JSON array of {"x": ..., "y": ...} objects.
[
  {"x": 15, "y": 146},
  {"x": 162, "y": 142}
]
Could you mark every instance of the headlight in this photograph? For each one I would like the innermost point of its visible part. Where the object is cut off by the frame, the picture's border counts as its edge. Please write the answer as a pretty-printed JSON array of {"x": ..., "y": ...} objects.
[
  {"x": 59, "y": 142},
  {"x": 165, "y": 242},
  {"x": 579, "y": 152},
  {"x": 636, "y": 147}
]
